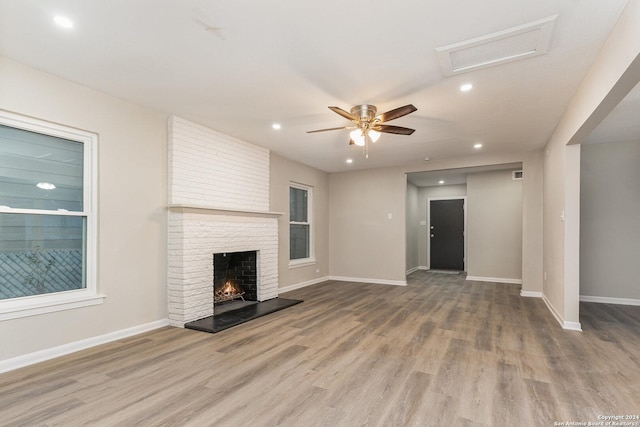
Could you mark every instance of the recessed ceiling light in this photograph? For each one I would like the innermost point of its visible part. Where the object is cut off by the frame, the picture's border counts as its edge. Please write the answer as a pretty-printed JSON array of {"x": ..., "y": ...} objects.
[
  {"x": 349, "y": 161},
  {"x": 276, "y": 126},
  {"x": 478, "y": 145},
  {"x": 466, "y": 87},
  {"x": 441, "y": 181},
  {"x": 426, "y": 159},
  {"x": 45, "y": 185},
  {"x": 63, "y": 21}
]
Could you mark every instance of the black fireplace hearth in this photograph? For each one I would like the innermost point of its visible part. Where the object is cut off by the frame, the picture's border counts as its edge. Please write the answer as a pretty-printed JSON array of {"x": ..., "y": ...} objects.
[
  {"x": 229, "y": 319},
  {"x": 235, "y": 293}
]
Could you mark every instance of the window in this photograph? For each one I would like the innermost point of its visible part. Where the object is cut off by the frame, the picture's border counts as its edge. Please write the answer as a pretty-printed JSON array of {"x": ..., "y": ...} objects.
[
  {"x": 47, "y": 217},
  {"x": 300, "y": 229}
]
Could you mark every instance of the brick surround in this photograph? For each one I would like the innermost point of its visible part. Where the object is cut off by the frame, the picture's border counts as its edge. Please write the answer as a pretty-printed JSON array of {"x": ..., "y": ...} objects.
[{"x": 219, "y": 199}]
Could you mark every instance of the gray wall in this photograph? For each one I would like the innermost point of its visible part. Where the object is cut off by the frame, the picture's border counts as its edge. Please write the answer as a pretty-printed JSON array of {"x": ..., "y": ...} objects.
[
  {"x": 611, "y": 76},
  {"x": 282, "y": 172},
  {"x": 494, "y": 225},
  {"x": 132, "y": 217},
  {"x": 412, "y": 227},
  {"x": 609, "y": 220},
  {"x": 365, "y": 242}
]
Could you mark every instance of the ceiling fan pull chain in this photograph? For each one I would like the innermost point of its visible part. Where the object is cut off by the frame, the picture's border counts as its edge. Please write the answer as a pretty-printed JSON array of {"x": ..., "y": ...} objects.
[{"x": 366, "y": 145}]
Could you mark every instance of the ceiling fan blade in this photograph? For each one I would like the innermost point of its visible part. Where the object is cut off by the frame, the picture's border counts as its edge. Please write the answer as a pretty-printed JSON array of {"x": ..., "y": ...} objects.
[
  {"x": 396, "y": 113},
  {"x": 325, "y": 130},
  {"x": 398, "y": 130},
  {"x": 343, "y": 113}
]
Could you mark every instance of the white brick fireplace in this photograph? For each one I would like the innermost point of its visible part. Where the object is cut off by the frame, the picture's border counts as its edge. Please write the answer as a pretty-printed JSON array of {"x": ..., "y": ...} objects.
[{"x": 218, "y": 202}]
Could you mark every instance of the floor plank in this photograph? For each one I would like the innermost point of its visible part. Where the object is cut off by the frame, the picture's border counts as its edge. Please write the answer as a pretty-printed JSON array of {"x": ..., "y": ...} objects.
[{"x": 440, "y": 351}]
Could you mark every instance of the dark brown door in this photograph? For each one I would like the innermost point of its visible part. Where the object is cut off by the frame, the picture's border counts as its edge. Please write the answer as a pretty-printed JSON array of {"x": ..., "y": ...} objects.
[{"x": 447, "y": 234}]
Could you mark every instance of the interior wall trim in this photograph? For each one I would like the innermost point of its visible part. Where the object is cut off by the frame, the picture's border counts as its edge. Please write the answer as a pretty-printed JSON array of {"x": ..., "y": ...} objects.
[
  {"x": 609, "y": 300},
  {"x": 295, "y": 286},
  {"x": 412, "y": 270},
  {"x": 570, "y": 326},
  {"x": 366, "y": 280},
  {"x": 531, "y": 294},
  {"x": 495, "y": 279},
  {"x": 62, "y": 350}
]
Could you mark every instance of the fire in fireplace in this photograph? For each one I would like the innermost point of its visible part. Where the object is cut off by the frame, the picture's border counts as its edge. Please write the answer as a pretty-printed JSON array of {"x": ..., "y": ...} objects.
[
  {"x": 229, "y": 292},
  {"x": 235, "y": 276}
]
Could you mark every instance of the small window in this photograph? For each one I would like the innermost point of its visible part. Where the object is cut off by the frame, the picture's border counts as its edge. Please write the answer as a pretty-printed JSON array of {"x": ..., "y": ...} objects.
[
  {"x": 300, "y": 225},
  {"x": 47, "y": 217}
]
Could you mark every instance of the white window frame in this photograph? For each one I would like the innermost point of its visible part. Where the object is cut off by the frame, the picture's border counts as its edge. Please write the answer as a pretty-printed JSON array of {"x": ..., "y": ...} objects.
[
  {"x": 311, "y": 260},
  {"x": 39, "y": 304}
]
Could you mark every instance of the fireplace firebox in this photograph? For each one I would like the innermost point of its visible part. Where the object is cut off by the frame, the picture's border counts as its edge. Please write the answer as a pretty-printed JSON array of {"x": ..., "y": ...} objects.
[
  {"x": 235, "y": 277},
  {"x": 235, "y": 293}
]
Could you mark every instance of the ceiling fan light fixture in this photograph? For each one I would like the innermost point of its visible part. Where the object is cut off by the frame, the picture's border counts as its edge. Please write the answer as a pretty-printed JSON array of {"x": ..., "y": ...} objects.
[
  {"x": 374, "y": 135},
  {"x": 357, "y": 136},
  {"x": 368, "y": 127}
]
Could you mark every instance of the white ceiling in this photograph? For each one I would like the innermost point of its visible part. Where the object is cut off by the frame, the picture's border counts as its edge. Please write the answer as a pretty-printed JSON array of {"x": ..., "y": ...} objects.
[{"x": 239, "y": 66}]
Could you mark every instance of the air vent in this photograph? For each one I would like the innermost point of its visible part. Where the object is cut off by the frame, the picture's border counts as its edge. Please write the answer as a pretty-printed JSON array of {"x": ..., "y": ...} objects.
[
  {"x": 517, "y": 174},
  {"x": 513, "y": 44}
]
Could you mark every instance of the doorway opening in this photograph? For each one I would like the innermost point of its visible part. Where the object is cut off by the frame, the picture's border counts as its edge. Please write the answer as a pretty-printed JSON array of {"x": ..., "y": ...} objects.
[{"x": 483, "y": 240}]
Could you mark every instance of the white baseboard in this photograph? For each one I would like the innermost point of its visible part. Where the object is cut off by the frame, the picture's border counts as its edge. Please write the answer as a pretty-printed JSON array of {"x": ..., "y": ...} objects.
[
  {"x": 609, "y": 300},
  {"x": 61, "y": 350},
  {"x": 302, "y": 284},
  {"x": 531, "y": 294},
  {"x": 495, "y": 279},
  {"x": 552, "y": 309},
  {"x": 414, "y": 269},
  {"x": 363, "y": 280},
  {"x": 571, "y": 326}
]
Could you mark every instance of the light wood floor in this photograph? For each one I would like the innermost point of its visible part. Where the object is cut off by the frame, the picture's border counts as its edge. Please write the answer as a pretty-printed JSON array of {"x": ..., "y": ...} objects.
[{"x": 441, "y": 351}]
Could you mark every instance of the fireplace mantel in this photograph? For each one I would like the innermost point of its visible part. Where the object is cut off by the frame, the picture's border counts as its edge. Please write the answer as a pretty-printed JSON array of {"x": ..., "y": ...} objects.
[{"x": 222, "y": 211}]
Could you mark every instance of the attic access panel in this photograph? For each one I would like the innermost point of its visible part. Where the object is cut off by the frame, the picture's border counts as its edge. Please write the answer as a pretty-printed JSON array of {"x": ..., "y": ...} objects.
[{"x": 512, "y": 44}]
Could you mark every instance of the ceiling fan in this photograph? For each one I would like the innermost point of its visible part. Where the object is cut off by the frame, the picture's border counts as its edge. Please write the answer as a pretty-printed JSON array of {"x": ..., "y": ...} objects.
[{"x": 368, "y": 125}]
